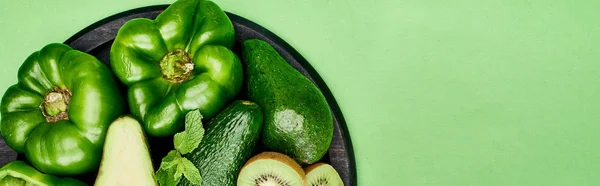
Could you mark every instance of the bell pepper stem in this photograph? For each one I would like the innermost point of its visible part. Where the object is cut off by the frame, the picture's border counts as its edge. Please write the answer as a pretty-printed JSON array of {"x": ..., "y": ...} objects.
[
  {"x": 56, "y": 104},
  {"x": 176, "y": 66}
]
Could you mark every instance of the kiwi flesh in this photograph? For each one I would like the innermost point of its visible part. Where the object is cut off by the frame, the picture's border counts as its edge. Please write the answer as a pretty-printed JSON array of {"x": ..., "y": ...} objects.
[
  {"x": 321, "y": 174},
  {"x": 271, "y": 169}
]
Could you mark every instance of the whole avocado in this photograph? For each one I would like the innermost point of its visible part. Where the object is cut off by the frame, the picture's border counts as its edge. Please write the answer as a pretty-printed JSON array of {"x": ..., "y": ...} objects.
[
  {"x": 227, "y": 144},
  {"x": 297, "y": 119}
]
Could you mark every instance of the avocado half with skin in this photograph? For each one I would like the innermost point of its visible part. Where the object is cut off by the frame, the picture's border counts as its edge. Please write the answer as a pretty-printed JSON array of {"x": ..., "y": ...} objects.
[{"x": 126, "y": 158}]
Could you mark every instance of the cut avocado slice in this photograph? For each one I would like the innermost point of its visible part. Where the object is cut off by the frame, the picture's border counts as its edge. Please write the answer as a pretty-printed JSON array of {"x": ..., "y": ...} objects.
[{"x": 126, "y": 159}]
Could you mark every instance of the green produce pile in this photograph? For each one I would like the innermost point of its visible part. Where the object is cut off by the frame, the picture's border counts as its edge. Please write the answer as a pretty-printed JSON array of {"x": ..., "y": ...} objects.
[{"x": 67, "y": 116}]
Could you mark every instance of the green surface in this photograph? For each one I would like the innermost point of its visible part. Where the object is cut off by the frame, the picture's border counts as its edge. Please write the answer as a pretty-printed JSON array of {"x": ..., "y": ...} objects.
[{"x": 501, "y": 92}]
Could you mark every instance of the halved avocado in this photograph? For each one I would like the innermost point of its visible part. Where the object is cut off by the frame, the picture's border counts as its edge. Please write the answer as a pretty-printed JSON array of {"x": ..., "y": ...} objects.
[{"x": 126, "y": 158}]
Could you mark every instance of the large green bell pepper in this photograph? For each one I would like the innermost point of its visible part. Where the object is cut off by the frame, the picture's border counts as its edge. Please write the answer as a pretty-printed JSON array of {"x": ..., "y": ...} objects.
[
  {"x": 58, "y": 112},
  {"x": 18, "y": 173},
  {"x": 177, "y": 63}
]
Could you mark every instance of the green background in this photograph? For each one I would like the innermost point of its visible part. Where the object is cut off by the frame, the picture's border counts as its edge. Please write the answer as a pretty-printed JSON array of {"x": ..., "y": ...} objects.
[{"x": 435, "y": 92}]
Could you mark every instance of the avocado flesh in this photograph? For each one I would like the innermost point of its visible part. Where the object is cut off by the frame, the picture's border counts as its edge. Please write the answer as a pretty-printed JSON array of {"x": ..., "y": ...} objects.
[
  {"x": 297, "y": 120},
  {"x": 125, "y": 160}
]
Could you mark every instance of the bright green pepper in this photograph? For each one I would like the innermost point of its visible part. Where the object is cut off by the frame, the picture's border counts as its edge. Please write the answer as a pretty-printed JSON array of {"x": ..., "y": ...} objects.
[
  {"x": 18, "y": 173},
  {"x": 177, "y": 63},
  {"x": 58, "y": 112}
]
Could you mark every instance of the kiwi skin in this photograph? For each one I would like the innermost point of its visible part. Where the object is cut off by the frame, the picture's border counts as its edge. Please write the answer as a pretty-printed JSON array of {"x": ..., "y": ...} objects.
[
  {"x": 281, "y": 158},
  {"x": 311, "y": 167}
]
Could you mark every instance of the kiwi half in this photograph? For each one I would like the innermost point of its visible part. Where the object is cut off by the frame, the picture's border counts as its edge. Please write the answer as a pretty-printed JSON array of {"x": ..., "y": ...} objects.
[
  {"x": 321, "y": 174},
  {"x": 271, "y": 169}
]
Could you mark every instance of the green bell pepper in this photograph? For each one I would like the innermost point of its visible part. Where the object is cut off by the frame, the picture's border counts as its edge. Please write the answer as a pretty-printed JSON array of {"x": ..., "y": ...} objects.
[
  {"x": 178, "y": 62},
  {"x": 58, "y": 112},
  {"x": 18, "y": 173}
]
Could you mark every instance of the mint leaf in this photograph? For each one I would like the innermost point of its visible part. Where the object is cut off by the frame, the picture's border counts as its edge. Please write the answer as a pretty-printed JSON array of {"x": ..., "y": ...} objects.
[
  {"x": 191, "y": 172},
  {"x": 189, "y": 139},
  {"x": 179, "y": 169},
  {"x": 178, "y": 139},
  {"x": 174, "y": 166},
  {"x": 164, "y": 177},
  {"x": 171, "y": 159},
  {"x": 167, "y": 173}
]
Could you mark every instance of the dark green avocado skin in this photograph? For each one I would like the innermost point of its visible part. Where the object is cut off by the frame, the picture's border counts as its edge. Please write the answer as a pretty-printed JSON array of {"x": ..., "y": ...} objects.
[
  {"x": 298, "y": 121},
  {"x": 228, "y": 143}
]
